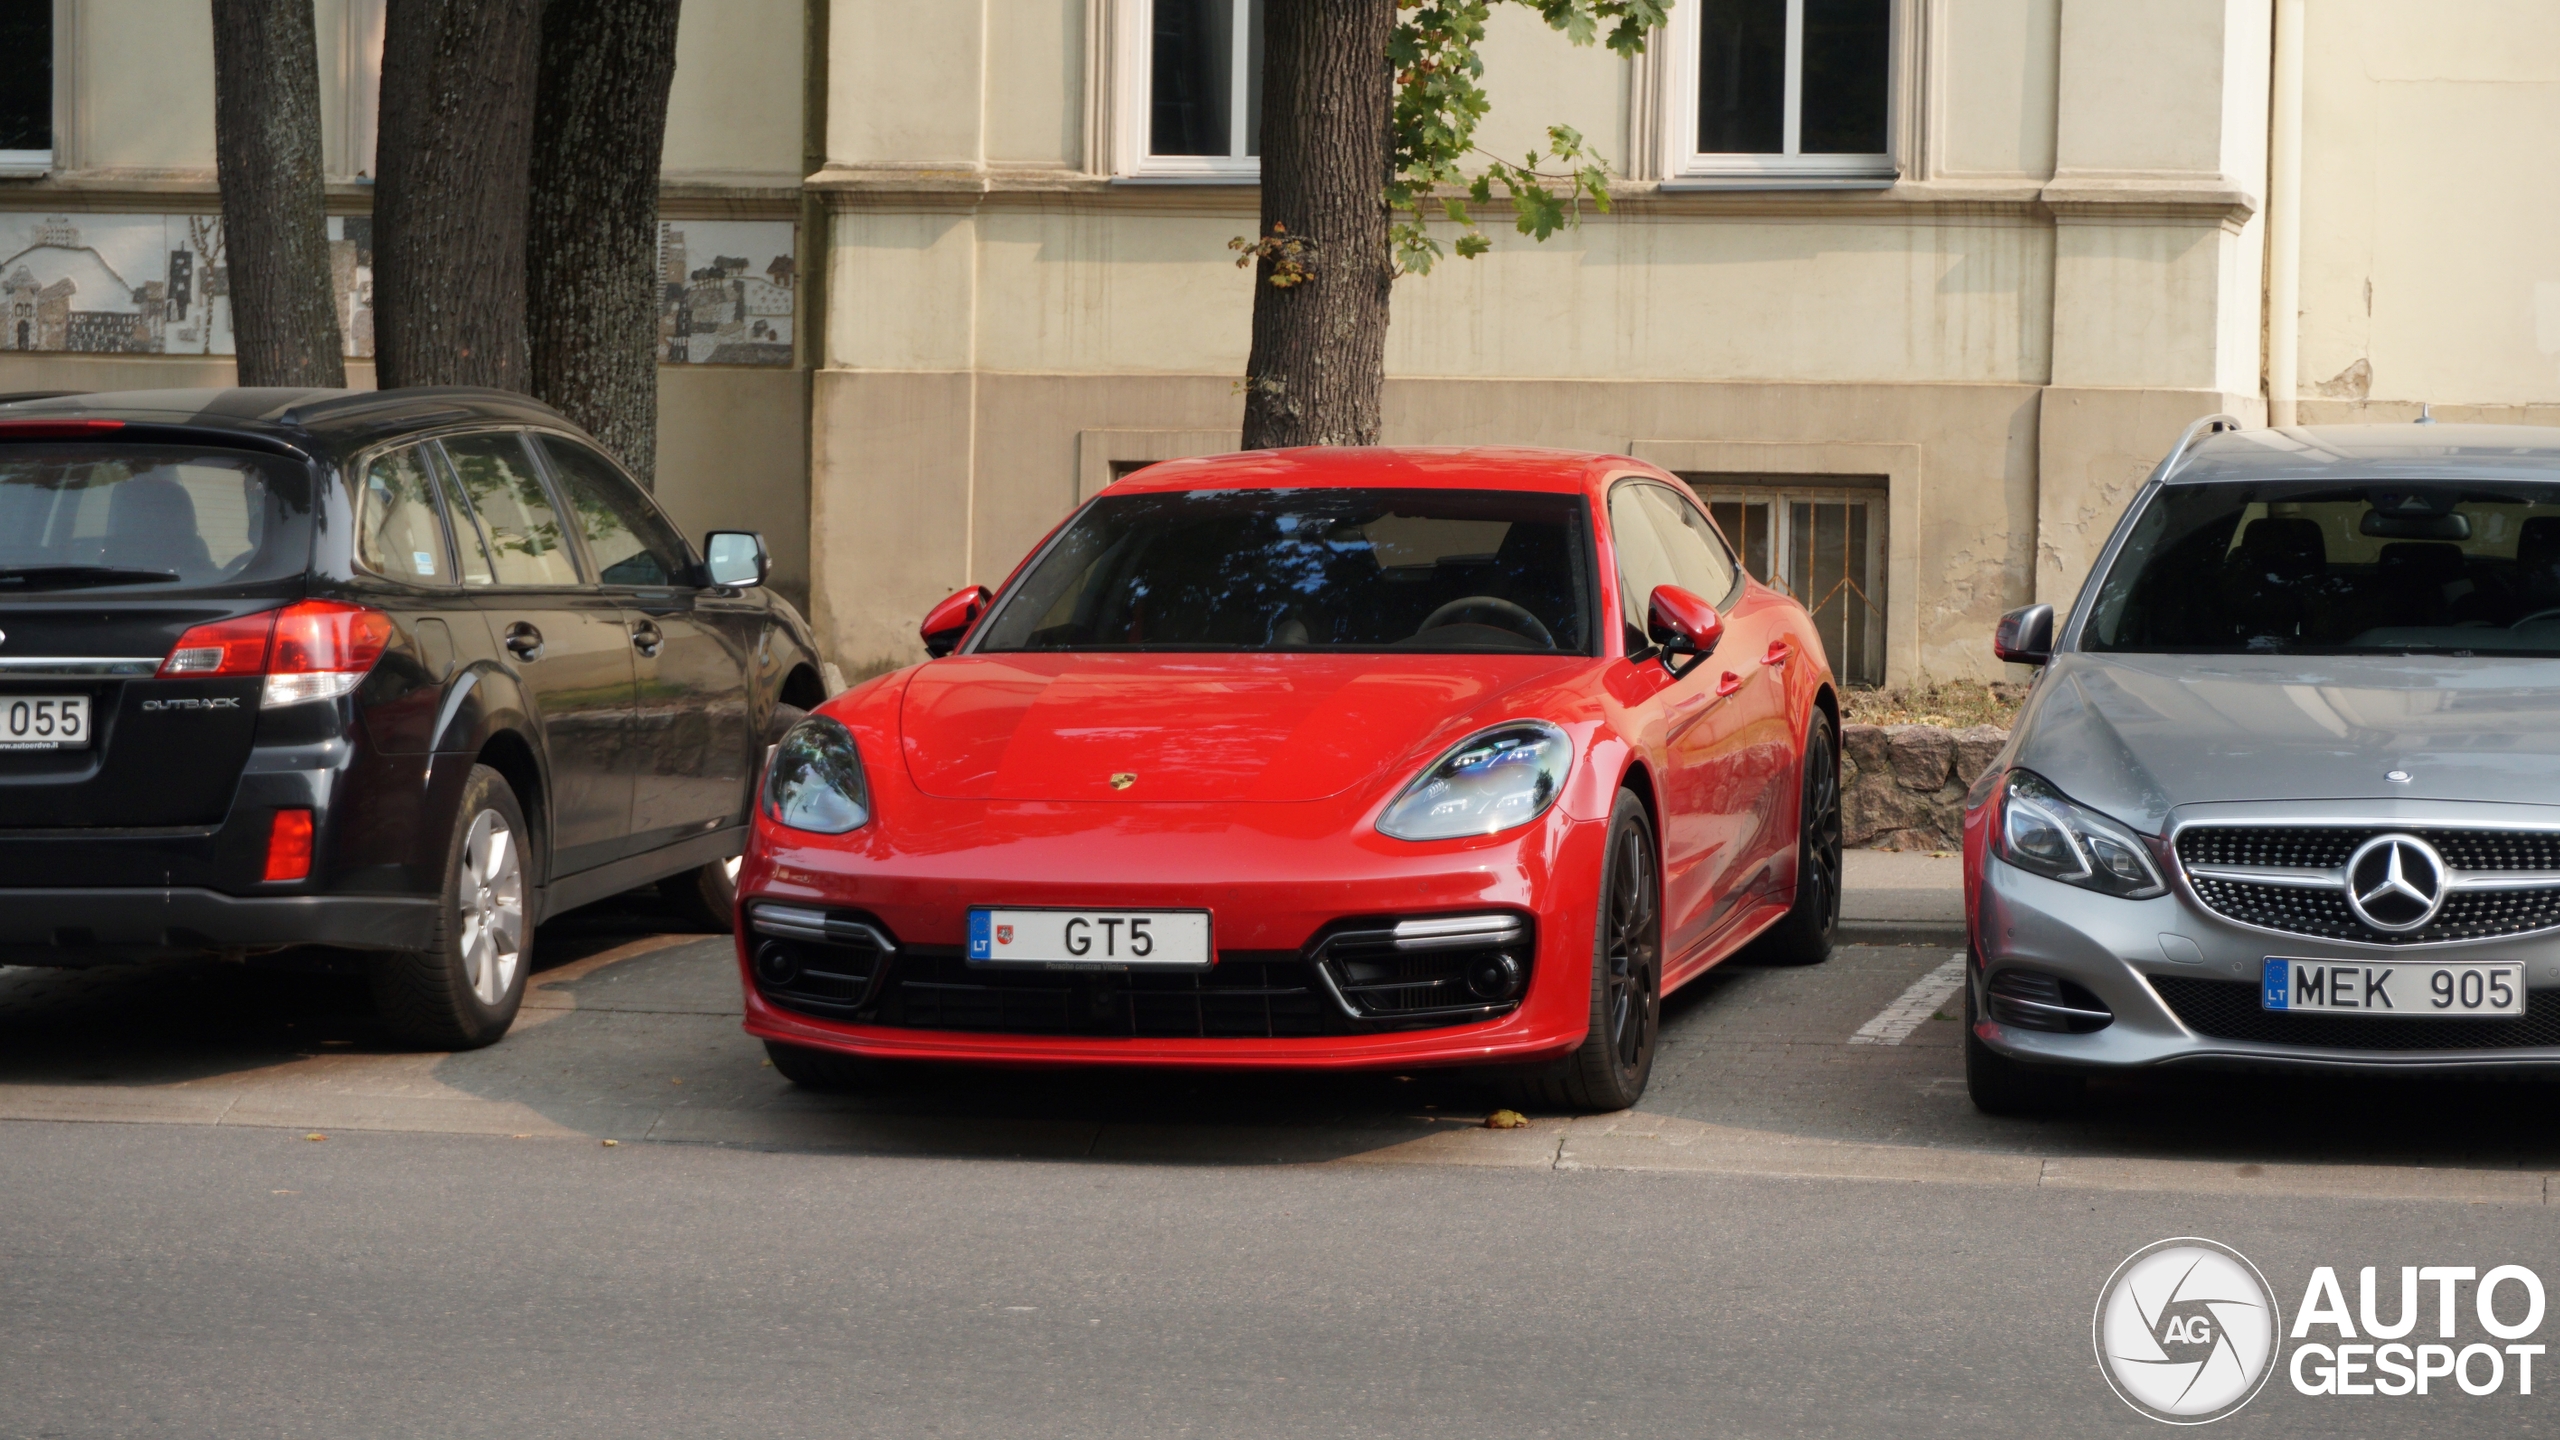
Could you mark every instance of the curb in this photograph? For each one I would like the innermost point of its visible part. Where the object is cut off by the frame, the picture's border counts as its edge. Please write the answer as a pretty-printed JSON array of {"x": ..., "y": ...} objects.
[{"x": 1941, "y": 933}]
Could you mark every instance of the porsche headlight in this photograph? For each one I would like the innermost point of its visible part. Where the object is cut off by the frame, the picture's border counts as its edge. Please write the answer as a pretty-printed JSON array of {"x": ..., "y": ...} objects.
[
  {"x": 815, "y": 781},
  {"x": 1491, "y": 781},
  {"x": 2040, "y": 830}
]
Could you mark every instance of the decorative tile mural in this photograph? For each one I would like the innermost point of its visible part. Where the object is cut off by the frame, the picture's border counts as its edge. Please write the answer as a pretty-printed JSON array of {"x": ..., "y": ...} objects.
[
  {"x": 159, "y": 285},
  {"x": 726, "y": 291},
  {"x": 148, "y": 284}
]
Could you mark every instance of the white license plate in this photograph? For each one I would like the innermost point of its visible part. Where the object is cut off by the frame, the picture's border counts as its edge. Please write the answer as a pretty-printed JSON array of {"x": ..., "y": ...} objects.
[
  {"x": 2393, "y": 987},
  {"x": 1091, "y": 939},
  {"x": 44, "y": 722}
]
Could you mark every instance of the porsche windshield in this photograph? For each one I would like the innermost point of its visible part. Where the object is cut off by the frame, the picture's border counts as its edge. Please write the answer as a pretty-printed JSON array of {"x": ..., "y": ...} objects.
[
  {"x": 1312, "y": 569},
  {"x": 2387, "y": 567}
]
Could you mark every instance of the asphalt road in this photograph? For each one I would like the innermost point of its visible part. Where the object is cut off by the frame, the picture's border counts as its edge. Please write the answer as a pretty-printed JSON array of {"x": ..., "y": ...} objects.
[{"x": 1796, "y": 1236}]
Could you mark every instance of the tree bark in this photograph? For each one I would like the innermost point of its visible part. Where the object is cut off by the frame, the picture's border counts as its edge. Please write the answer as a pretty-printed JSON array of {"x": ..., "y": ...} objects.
[
  {"x": 452, "y": 167},
  {"x": 1318, "y": 371},
  {"x": 266, "y": 142},
  {"x": 591, "y": 262}
]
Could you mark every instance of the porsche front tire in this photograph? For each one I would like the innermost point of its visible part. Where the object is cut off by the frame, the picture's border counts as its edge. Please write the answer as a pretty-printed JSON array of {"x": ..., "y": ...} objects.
[{"x": 1615, "y": 1060}]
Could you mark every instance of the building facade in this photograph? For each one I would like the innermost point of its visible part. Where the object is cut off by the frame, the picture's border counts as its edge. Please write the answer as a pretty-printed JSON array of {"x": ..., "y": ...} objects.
[
  {"x": 1915, "y": 290},
  {"x": 113, "y": 273}
]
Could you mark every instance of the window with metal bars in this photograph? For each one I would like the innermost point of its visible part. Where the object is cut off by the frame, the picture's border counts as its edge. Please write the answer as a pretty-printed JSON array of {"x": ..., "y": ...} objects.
[{"x": 1824, "y": 544}]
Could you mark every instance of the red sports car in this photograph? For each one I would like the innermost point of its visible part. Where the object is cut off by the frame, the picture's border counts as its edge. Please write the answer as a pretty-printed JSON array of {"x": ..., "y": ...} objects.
[{"x": 1317, "y": 758}]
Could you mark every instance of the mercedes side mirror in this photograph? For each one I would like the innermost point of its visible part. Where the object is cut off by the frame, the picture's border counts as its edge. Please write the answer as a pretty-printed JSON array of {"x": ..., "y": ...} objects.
[
  {"x": 735, "y": 557},
  {"x": 947, "y": 624},
  {"x": 1683, "y": 627},
  {"x": 2025, "y": 636}
]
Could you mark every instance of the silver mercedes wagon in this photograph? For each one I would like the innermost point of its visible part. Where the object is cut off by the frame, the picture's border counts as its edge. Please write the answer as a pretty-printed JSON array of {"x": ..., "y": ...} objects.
[{"x": 2287, "y": 790}]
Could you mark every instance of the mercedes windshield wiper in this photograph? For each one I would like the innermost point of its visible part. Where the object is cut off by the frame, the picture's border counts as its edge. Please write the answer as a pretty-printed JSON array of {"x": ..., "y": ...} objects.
[{"x": 60, "y": 577}]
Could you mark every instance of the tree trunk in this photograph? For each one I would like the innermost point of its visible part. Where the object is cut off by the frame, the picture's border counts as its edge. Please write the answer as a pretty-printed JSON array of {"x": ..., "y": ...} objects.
[
  {"x": 591, "y": 263},
  {"x": 451, "y": 171},
  {"x": 266, "y": 142},
  {"x": 1318, "y": 372}
]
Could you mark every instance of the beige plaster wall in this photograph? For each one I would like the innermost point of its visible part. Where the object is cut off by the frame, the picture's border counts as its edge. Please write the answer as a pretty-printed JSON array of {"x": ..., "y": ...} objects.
[
  {"x": 2429, "y": 271},
  {"x": 1994, "y": 109},
  {"x": 1138, "y": 283},
  {"x": 142, "y": 85},
  {"x": 905, "y": 82},
  {"x": 734, "y": 111}
]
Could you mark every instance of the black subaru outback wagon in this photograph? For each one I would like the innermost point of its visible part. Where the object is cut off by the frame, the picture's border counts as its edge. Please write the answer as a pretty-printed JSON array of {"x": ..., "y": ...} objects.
[{"x": 400, "y": 673}]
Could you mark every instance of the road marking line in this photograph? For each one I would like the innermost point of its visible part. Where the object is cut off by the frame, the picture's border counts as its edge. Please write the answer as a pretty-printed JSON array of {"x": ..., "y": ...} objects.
[{"x": 1896, "y": 1021}]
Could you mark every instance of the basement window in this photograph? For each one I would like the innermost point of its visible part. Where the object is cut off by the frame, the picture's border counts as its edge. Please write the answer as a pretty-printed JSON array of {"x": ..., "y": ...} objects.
[{"x": 1824, "y": 544}]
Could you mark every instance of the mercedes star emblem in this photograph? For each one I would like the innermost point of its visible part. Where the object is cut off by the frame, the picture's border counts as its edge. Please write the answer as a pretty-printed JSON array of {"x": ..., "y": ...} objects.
[{"x": 2395, "y": 883}]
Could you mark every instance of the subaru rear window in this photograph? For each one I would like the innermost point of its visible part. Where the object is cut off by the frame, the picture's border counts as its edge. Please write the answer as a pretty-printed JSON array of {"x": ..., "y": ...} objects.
[
  {"x": 1310, "y": 569},
  {"x": 79, "y": 516},
  {"x": 2302, "y": 568}
]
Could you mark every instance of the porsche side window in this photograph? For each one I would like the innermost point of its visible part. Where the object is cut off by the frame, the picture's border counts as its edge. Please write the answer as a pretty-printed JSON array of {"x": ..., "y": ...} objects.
[
  {"x": 1644, "y": 560},
  {"x": 1698, "y": 555}
]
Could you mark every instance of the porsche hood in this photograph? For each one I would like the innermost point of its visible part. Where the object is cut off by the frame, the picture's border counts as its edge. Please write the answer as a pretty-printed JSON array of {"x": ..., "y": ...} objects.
[
  {"x": 1187, "y": 728},
  {"x": 2137, "y": 735}
]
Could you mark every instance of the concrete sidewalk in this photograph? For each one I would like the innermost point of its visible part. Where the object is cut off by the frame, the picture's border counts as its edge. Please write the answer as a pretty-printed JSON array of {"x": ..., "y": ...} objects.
[{"x": 1902, "y": 897}]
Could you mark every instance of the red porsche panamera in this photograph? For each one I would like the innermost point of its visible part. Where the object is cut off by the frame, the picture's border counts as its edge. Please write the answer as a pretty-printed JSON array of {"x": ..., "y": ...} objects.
[{"x": 1316, "y": 758}]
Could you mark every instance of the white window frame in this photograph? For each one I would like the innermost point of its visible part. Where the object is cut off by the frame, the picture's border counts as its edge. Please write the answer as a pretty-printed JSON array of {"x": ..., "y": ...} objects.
[
  {"x": 1676, "y": 133},
  {"x": 1132, "y": 109},
  {"x": 25, "y": 164}
]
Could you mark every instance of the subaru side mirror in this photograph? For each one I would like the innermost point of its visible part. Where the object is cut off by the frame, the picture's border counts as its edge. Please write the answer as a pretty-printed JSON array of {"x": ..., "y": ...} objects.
[
  {"x": 735, "y": 557},
  {"x": 1683, "y": 626},
  {"x": 947, "y": 624},
  {"x": 2025, "y": 636}
]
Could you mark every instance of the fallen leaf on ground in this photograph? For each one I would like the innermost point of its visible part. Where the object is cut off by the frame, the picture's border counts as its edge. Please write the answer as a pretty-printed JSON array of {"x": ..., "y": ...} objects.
[
  {"x": 1505, "y": 1120},
  {"x": 609, "y": 1144},
  {"x": 315, "y": 1135}
]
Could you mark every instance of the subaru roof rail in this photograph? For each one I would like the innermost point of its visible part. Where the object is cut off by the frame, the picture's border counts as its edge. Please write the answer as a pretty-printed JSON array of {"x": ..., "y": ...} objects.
[{"x": 2209, "y": 425}]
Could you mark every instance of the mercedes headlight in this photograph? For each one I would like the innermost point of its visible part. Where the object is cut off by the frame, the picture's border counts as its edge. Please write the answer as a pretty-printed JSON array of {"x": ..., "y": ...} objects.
[
  {"x": 815, "y": 781},
  {"x": 1494, "y": 780},
  {"x": 2042, "y": 831}
]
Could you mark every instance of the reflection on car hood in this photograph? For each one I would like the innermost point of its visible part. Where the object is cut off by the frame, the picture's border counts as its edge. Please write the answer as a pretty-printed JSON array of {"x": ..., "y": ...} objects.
[
  {"x": 2135, "y": 735},
  {"x": 1186, "y": 728}
]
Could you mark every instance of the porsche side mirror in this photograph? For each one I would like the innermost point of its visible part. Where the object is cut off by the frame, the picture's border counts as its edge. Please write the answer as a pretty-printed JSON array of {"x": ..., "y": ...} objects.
[
  {"x": 735, "y": 557},
  {"x": 1683, "y": 626},
  {"x": 947, "y": 624},
  {"x": 2025, "y": 636}
]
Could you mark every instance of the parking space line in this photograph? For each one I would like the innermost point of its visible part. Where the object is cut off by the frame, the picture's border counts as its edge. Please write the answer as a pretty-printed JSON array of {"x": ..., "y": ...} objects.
[{"x": 1896, "y": 1021}]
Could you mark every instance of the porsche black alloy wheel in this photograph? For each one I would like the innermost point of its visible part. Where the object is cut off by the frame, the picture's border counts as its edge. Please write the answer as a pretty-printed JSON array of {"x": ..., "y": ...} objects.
[
  {"x": 1616, "y": 1058},
  {"x": 1803, "y": 935}
]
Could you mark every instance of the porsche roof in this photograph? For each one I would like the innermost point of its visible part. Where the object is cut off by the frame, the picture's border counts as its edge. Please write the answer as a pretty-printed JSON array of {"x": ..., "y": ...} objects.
[{"x": 1386, "y": 468}]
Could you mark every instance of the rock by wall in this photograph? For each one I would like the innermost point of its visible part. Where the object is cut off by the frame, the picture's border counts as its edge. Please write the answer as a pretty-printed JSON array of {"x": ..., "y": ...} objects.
[{"x": 1903, "y": 785}]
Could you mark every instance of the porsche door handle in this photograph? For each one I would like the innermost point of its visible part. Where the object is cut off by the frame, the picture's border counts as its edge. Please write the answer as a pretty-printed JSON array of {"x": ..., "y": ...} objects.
[
  {"x": 523, "y": 641},
  {"x": 1780, "y": 652}
]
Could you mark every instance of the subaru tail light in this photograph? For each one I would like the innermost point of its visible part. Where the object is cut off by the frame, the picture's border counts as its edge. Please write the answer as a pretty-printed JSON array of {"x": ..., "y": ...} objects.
[
  {"x": 309, "y": 650},
  {"x": 323, "y": 649}
]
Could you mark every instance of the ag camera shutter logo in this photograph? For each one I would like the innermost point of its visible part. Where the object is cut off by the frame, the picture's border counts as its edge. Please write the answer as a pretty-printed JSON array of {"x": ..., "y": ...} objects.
[{"x": 2186, "y": 1330}]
